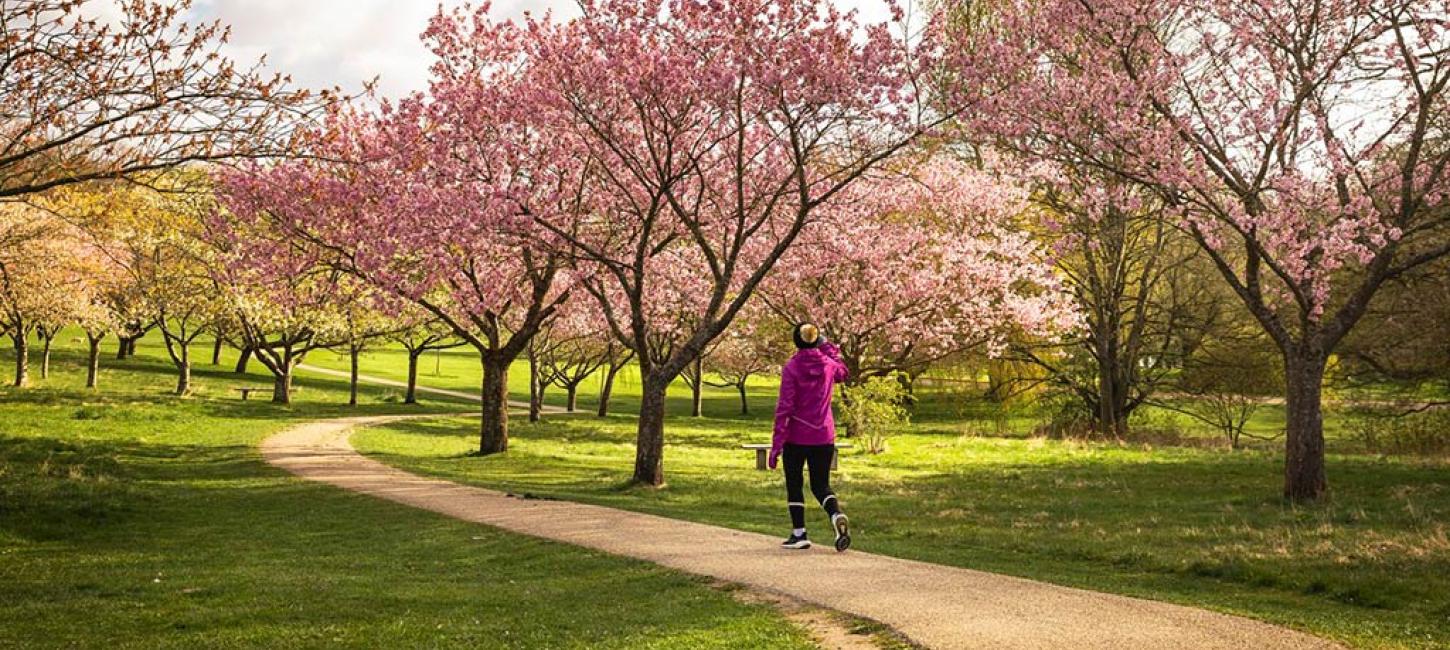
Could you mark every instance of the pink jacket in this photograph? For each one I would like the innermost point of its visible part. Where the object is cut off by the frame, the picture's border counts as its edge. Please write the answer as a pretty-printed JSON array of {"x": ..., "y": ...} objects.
[{"x": 803, "y": 412}]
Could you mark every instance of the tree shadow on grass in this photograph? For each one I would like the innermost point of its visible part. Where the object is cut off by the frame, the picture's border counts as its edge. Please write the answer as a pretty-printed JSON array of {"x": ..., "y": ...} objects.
[{"x": 198, "y": 547}]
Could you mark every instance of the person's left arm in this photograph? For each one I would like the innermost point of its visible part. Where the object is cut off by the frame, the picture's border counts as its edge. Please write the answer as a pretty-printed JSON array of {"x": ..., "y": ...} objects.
[{"x": 784, "y": 409}]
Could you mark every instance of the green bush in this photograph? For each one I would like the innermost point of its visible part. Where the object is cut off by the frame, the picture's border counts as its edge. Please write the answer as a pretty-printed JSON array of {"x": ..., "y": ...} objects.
[{"x": 874, "y": 408}]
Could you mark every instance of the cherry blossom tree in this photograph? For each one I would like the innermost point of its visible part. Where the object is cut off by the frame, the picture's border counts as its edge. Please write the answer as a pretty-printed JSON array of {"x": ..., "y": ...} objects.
[
  {"x": 42, "y": 278},
  {"x": 571, "y": 349},
  {"x": 711, "y": 133},
  {"x": 748, "y": 349},
  {"x": 430, "y": 212},
  {"x": 286, "y": 302},
  {"x": 420, "y": 333},
  {"x": 918, "y": 265},
  {"x": 616, "y": 357},
  {"x": 1296, "y": 142}
]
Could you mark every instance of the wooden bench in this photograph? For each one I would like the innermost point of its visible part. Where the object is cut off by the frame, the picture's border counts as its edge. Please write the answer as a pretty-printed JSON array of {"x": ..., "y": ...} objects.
[
  {"x": 247, "y": 391},
  {"x": 762, "y": 451}
]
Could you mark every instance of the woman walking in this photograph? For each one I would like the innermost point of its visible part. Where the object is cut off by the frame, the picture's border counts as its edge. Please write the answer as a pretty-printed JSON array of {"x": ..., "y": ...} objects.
[{"x": 805, "y": 432}]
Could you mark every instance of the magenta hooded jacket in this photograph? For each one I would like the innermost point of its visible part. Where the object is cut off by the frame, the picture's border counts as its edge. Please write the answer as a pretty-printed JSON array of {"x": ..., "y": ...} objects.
[{"x": 803, "y": 412}]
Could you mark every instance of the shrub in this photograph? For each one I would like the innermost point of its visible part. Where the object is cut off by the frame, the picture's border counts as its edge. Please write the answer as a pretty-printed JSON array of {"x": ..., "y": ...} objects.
[
  {"x": 1225, "y": 382},
  {"x": 873, "y": 408},
  {"x": 1426, "y": 433}
]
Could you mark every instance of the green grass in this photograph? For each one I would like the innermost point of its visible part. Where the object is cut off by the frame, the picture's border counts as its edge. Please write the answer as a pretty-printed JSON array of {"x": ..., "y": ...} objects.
[
  {"x": 132, "y": 518},
  {"x": 1197, "y": 526}
]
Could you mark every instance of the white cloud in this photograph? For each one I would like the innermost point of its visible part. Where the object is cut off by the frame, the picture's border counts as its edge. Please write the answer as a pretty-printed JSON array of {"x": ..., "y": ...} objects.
[{"x": 325, "y": 43}]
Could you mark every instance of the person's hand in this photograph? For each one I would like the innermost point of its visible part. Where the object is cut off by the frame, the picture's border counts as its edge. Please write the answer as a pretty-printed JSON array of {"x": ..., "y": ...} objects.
[
  {"x": 831, "y": 349},
  {"x": 774, "y": 457}
]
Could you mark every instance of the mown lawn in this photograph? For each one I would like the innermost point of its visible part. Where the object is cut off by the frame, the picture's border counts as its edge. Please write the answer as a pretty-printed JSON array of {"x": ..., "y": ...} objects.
[
  {"x": 1204, "y": 527},
  {"x": 132, "y": 518}
]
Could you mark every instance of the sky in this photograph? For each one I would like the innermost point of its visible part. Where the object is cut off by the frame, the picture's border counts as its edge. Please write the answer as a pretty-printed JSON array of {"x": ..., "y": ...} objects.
[{"x": 326, "y": 43}]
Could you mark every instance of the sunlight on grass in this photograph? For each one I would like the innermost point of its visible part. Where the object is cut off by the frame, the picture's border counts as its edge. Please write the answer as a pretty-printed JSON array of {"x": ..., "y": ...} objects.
[{"x": 1195, "y": 526}]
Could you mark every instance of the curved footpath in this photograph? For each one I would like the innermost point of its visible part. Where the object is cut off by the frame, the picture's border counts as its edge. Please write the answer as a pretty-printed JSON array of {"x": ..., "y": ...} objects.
[{"x": 933, "y": 605}]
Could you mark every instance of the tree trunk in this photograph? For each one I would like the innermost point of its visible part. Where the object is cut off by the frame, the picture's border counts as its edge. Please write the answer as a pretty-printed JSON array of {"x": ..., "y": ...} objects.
[
  {"x": 649, "y": 446},
  {"x": 93, "y": 362},
  {"x": 127, "y": 347},
  {"x": 411, "y": 396},
  {"x": 744, "y": 403},
  {"x": 1111, "y": 399},
  {"x": 183, "y": 377},
  {"x": 22, "y": 358},
  {"x": 45, "y": 356},
  {"x": 282, "y": 384},
  {"x": 494, "y": 427},
  {"x": 536, "y": 391},
  {"x": 605, "y": 391},
  {"x": 1304, "y": 477},
  {"x": 697, "y": 388},
  {"x": 352, "y": 377},
  {"x": 216, "y": 351},
  {"x": 242, "y": 360},
  {"x": 853, "y": 378},
  {"x": 573, "y": 391}
]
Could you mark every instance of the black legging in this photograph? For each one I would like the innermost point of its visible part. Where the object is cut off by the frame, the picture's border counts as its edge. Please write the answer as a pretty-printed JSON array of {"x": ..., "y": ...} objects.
[{"x": 819, "y": 457}]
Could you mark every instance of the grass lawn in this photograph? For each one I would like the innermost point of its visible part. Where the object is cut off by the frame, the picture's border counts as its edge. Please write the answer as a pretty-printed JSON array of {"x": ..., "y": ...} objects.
[
  {"x": 132, "y": 518},
  {"x": 1204, "y": 527}
]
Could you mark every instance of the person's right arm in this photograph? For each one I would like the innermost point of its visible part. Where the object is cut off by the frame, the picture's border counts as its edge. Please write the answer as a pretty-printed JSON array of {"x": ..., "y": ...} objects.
[{"x": 839, "y": 371}]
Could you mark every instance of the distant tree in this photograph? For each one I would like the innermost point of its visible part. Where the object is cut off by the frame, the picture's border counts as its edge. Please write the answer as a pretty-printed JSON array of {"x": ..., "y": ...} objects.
[
  {"x": 365, "y": 321},
  {"x": 97, "y": 321},
  {"x": 1406, "y": 335},
  {"x": 154, "y": 233},
  {"x": 42, "y": 280},
  {"x": 616, "y": 357},
  {"x": 1147, "y": 297},
  {"x": 579, "y": 346},
  {"x": 746, "y": 352},
  {"x": 418, "y": 335}
]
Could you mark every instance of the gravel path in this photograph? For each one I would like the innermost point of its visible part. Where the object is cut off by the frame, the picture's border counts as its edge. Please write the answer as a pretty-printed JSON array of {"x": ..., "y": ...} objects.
[{"x": 936, "y": 606}]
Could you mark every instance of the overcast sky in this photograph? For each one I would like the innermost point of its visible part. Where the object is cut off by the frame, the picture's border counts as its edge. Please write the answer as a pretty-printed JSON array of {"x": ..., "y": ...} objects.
[{"x": 325, "y": 43}]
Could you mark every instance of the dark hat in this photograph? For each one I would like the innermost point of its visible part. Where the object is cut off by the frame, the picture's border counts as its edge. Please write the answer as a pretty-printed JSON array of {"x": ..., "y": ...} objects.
[{"x": 806, "y": 336}]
